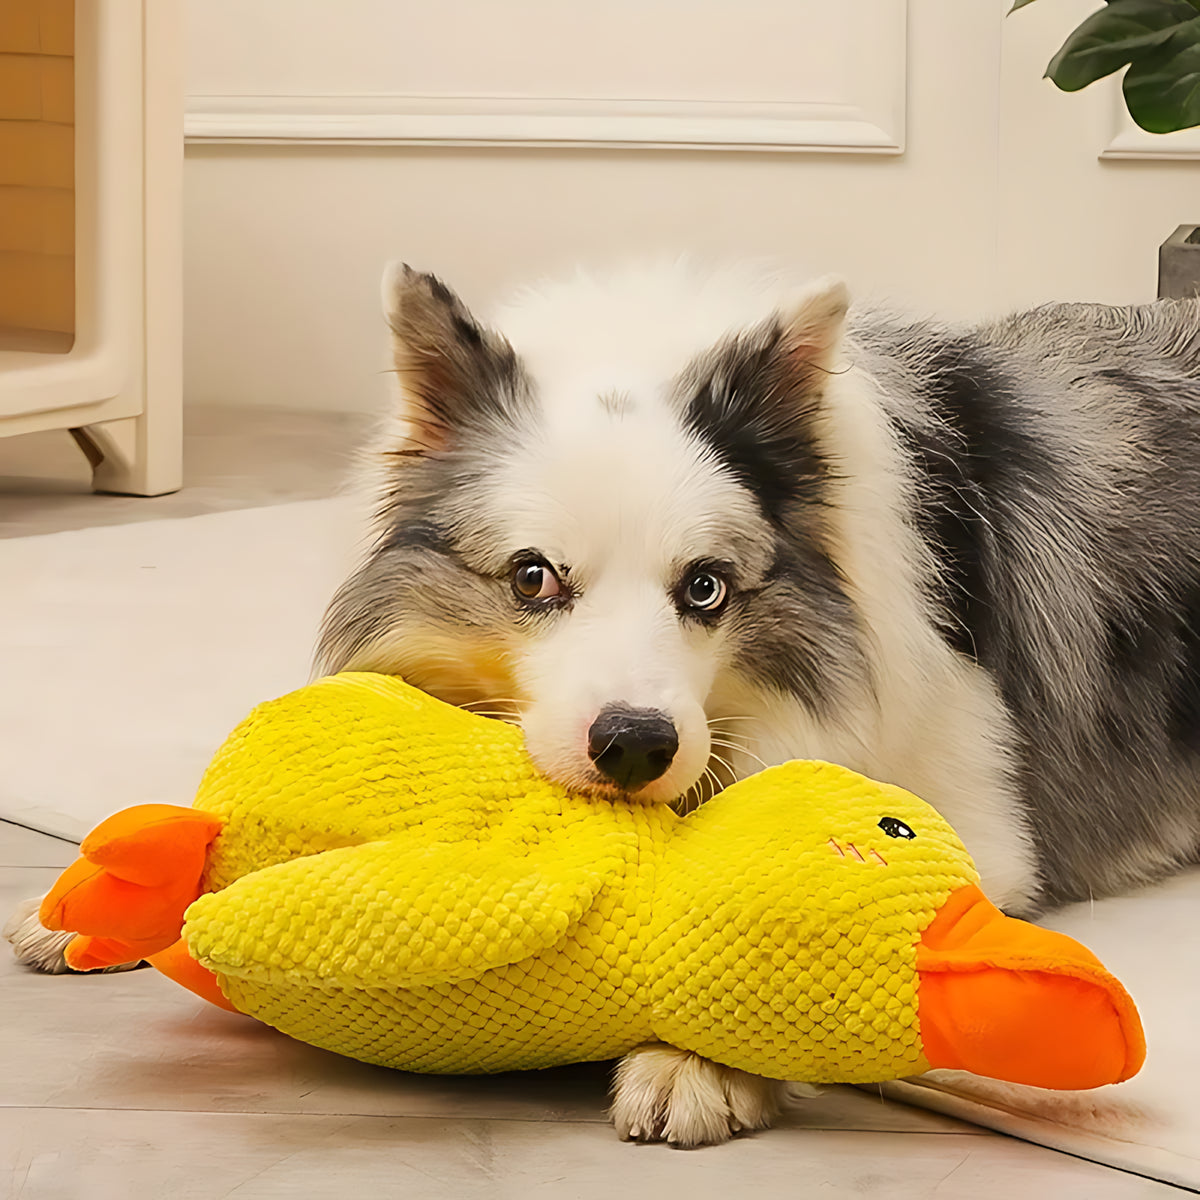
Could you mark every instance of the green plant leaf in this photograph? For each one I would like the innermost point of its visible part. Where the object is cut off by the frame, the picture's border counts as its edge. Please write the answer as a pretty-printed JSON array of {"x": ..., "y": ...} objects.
[
  {"x": 1115, "y": 36},
  {"x": 1019, "y": 4},
  {"x": 1162, "y": 88}
]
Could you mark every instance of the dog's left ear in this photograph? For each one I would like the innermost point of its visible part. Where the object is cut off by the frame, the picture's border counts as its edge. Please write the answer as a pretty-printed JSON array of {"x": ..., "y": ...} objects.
[
  {"x": 757, "y": 398},
  {"x": 814, "y": 322}
]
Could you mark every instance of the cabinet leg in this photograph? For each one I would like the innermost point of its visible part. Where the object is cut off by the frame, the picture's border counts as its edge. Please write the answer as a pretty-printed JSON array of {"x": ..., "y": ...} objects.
[{"x": 131, "y": 456}]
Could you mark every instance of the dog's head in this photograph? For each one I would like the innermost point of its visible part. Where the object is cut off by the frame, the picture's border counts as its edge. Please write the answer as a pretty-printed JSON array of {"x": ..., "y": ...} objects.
[{"x": 604, "y": 517}]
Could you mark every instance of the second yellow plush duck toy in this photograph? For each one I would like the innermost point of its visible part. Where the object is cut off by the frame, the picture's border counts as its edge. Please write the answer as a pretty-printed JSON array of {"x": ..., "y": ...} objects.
[{"x": 383, "y": 875}]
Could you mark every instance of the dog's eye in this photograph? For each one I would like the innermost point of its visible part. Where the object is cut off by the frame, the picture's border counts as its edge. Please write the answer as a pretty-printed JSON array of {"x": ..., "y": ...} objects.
[
  {"x": 535, "y": 580},
  {"x": 896, "y": 828},
  {"x": 705, "y": 591}
]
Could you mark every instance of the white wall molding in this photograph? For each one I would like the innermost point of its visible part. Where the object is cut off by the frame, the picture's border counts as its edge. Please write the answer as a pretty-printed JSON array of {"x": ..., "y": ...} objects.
[
  {"x": 1137, "y": 143},
  {"x": 786, "y": 75},
  {"x": 399, "y": 120},
  {"x": 1129, "y": 140}
]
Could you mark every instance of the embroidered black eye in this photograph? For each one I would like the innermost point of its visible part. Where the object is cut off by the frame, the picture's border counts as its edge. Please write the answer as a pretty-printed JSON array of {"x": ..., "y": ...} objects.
[
  {"x": 704, "y": 591},
  {"x": 535, "y": 579},
  {"x": 896, "y": 828}
]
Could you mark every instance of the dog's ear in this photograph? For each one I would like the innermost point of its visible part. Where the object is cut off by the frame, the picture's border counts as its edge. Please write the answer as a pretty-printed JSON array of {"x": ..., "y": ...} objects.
[
  {"x": 454, "y": 373},
  {"x": 756, "y": 397},
  {"x": 814, "y": 322}
]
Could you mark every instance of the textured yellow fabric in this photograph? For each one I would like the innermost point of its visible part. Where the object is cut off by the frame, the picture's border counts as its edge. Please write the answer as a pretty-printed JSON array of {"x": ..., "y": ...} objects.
[{"x": 396, "y": 882}]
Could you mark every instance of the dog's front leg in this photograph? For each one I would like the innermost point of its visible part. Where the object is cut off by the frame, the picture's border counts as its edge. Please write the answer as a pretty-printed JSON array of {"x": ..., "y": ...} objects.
[{"x": 662, "y": 1094}]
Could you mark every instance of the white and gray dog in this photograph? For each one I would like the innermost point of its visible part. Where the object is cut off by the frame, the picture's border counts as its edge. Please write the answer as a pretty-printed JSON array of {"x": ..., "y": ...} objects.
[{"x": 681, "y": 524}]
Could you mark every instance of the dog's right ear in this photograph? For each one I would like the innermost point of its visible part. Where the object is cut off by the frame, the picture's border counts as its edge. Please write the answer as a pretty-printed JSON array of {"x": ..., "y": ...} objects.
[
  {"x": 813, "y": 325},
  {"x": 454, "y": 373}
]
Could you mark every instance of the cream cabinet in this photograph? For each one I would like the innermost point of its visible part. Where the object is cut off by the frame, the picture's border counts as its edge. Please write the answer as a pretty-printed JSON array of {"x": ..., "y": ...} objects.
[{"x": 91, "y": 147}]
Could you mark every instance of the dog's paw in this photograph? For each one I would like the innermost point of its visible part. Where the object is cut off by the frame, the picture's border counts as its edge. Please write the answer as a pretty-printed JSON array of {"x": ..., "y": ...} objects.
[
  {"x": 33, "y": 944},
  {"x": 38, "y": 947},
  {"x": 661, "y": 1094}
]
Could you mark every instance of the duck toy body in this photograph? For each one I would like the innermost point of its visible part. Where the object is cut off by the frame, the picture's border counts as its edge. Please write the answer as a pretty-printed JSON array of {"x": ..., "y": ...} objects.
[{"x": 378, "y": 873}]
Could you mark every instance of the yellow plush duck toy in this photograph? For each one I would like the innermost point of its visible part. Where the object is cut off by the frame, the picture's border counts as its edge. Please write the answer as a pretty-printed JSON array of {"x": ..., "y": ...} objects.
[{"x": 378, "y": 873}]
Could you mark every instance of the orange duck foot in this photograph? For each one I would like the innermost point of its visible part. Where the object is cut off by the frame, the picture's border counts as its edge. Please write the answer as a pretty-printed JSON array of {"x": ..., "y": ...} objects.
[{"x": 139, "y": 872}]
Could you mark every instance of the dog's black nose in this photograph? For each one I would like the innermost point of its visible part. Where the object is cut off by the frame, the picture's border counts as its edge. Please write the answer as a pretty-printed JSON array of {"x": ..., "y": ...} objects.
[{"x": 632, "y": 745}]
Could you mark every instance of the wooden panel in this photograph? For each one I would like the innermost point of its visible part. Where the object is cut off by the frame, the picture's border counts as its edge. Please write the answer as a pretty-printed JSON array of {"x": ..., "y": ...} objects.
[
  {"x": 37, "y": 87},
  {"x": 20, "y": 87},
  {"x": 56, "y": 26},
  {"x": 37, "y": 165},
  {"x": 36, "y": 154},
  {"x": 58, "y": 90},
  {"x": 37, "y": 291},
  {"x": 20, "y": 22},
  {"x": 37, "y": 220}
]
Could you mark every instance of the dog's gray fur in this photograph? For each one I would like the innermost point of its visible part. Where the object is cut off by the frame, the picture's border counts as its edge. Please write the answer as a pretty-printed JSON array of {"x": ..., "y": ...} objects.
[{"x": 1057, "y": 455}]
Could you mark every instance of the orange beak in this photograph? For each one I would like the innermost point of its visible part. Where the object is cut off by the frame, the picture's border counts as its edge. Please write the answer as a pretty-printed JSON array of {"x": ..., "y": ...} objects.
[{"x": 1007, "y": 999}]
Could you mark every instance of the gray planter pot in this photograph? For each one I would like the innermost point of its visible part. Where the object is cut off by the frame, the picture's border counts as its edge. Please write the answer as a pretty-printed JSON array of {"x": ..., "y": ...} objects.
[{"x": 1179, "y": 264}]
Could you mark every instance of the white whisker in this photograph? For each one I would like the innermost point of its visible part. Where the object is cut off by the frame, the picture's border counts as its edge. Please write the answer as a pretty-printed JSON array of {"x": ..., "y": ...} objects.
[
  {"x": 724, "y": 745},
  {"x": 727, "y": 765},
  {"x": 491, "y": 708}
]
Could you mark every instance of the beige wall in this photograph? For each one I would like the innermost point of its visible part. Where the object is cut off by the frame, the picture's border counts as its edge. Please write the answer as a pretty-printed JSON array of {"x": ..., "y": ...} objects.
[
  {"x": 37, "y": 146},
  {"x": 999, "y": 198}
]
